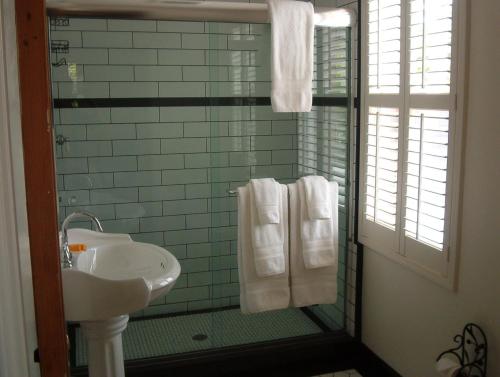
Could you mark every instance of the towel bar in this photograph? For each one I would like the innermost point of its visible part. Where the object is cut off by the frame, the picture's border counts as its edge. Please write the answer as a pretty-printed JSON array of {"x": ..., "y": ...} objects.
[
  {"x": 235, "y": 192},
  {"x": 187, "y": 10}
]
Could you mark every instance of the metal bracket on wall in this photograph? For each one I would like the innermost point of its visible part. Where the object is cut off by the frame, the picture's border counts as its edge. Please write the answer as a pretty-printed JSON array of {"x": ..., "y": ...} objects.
[
  {"x": 471, "y": 352},
  {"x": 59, "y": 21},
  {"x": 60, "y": 46},
  {"x": 60, "y": 62}
]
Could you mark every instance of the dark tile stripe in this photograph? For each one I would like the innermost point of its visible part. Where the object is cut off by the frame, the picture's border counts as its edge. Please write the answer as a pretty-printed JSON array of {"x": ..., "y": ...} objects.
[{"x": 68, "y": 103}]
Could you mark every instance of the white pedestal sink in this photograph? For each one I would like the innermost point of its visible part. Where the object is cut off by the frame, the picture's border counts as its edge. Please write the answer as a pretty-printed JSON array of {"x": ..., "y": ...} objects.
[{"x": 114, "y": 277}]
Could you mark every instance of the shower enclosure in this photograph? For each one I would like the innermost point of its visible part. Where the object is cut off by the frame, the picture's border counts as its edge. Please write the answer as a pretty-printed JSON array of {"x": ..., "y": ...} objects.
[{"x": 156, "y": 123}]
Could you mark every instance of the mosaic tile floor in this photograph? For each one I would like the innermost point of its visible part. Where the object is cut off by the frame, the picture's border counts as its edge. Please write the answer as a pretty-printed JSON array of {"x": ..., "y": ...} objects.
[{"x": 170, "y": 335}]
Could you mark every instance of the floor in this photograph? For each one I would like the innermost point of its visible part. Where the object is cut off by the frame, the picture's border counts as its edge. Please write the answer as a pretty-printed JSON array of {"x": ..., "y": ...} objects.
[
  {"x": 346, "y": 373},
  {"x": 185, "y": 333}
]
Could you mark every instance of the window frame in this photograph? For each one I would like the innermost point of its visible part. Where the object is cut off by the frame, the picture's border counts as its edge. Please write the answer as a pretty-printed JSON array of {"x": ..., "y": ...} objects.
[{"x": 438, "y": 266}]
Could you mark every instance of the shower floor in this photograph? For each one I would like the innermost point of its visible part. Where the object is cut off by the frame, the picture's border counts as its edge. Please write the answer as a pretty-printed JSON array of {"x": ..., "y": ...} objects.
[{"x": 154, "y": 337}]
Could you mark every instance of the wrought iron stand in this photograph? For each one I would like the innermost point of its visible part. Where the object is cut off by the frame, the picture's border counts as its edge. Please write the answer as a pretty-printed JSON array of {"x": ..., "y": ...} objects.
[{"x": 471, "y": 351}]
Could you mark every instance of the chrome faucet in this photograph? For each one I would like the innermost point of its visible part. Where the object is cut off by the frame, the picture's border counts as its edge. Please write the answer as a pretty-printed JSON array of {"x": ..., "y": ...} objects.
[{"x": 67, "y": 256}]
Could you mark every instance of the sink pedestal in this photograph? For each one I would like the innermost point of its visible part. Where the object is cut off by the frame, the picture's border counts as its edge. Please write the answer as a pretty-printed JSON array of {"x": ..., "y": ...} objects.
[{"x": 105, "y": 351}]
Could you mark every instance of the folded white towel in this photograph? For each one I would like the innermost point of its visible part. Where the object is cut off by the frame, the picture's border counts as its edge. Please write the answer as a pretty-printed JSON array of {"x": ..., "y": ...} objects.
[
  {"x": 258, "y": 294},
  {"x": 319, "y": 248},
  {"x": 310, "y": 286},
  {"x": 267, "y": 239},
  {"x": 318, "y": 200},
  {"x": 292, "y": 43},
  {"x": 266, "y": 196}
]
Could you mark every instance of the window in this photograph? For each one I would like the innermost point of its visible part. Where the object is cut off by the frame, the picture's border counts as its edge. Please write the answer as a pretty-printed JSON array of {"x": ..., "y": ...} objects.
[{"x": 411, "y": 132}]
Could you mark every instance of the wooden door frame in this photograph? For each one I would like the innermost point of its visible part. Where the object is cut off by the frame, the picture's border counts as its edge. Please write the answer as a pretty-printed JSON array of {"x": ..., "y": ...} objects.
[{"x": 39, "y": 169}]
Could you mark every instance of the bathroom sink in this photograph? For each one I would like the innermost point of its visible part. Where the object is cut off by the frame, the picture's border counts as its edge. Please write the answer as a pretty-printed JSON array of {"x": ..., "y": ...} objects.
[{"x": 114, "y": 276}]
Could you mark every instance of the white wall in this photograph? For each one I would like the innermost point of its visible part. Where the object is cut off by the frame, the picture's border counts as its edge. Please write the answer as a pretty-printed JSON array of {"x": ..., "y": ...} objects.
[
  {"x": 408, "y": 320},
  {"x": 17, "y": 314}
]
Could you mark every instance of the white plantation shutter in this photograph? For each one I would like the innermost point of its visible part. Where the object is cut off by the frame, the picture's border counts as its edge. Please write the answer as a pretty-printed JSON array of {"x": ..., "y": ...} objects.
[
  {"x": 382, "y": 166},
  {"x": 426, "y": 176},
  {"x": 408, "y": 129},
  {"x": 430, "y": 46},
  {"x": 381, "y": 115},
  {"x": 384, "y": 33}
]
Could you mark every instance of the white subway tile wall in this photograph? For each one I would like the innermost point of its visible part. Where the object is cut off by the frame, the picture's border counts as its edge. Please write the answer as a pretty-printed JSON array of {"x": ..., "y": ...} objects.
[{"x": 162, "y": 173}]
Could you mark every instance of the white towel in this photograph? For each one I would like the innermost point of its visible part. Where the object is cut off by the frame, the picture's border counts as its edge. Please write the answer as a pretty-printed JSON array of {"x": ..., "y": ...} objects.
[
  {"x": 267, "y": 239},
  {"x": 318, "y": 200},
  {"x": 319, "y": 248},
  {"x": 266, "y": 195},
  {"x": 309, "y": 286},
  {"x": 292, "y": 43},
  {"x": 259, "y": 294}
]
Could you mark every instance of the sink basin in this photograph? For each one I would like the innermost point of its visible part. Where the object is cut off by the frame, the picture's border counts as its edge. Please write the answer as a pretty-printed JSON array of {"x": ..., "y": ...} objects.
[{"x": 115, "y": 276}]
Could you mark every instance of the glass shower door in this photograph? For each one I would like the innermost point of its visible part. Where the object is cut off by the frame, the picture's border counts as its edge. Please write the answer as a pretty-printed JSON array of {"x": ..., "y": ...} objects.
[
  {"x": 248, "y": 140},
  {"x": 324, "y": 141},
  {"x": 156, "y": 123}
]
